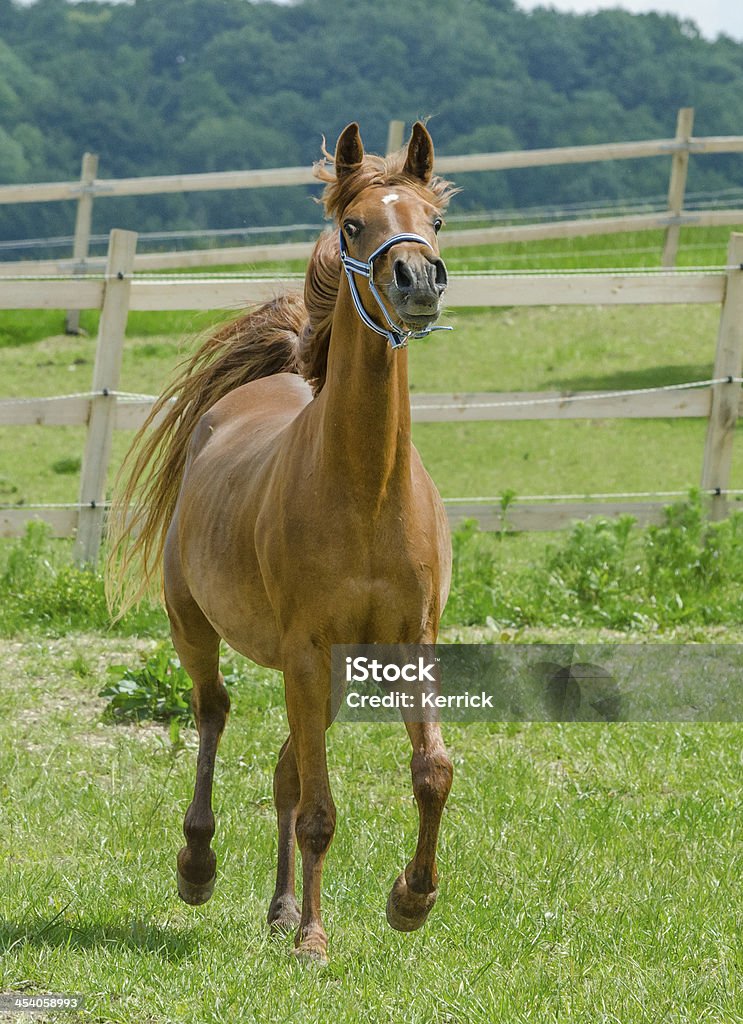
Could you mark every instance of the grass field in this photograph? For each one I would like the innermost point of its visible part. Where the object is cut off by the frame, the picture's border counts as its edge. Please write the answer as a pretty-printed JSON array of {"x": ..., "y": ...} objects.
[{"x": 590, "y": 873}]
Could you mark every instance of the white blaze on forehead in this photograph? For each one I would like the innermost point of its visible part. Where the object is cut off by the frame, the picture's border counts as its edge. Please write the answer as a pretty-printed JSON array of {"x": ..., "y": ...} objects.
[{"x": 391, "y": 197}]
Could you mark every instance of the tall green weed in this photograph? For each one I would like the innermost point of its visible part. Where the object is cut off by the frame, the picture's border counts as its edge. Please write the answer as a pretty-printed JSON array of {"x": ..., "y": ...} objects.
[{"x": 610, "y": 573}]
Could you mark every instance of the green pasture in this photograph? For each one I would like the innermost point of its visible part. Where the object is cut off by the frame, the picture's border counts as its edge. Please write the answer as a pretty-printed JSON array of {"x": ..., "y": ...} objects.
[{"x": 590, "y": 873}]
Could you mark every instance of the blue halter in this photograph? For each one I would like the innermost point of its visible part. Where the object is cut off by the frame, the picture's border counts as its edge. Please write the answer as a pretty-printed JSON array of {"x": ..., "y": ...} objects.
[{"x": 396, "y": 335}]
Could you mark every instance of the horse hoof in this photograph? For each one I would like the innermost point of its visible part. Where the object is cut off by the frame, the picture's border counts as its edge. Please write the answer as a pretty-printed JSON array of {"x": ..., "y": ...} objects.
[
  {"x": 311, "y": 945},
  {"x": 311, "y": 952},
  {"x": 408, "y": 910},
  {"x": 193, "y": 894},
  {"x": 283, "y": 914}
]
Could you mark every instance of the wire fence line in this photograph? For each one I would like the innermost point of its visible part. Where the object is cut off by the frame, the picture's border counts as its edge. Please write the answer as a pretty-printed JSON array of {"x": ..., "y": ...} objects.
[
  {"x": 715, "y": 199},
  {"x": 146, "y": 277},
  {"x": 134, "y": 396},
  {"x": 417, "y": 406},
  {"x": 505, "y": 499}
]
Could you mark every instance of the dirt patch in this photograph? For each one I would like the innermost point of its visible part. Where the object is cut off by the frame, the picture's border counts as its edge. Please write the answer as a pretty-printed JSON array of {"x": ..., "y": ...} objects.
[{"x": 52, "y": 680}]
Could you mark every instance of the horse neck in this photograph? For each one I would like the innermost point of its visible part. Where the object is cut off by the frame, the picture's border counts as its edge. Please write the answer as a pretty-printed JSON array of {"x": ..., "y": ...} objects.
[{"x": 366, "y": 414}]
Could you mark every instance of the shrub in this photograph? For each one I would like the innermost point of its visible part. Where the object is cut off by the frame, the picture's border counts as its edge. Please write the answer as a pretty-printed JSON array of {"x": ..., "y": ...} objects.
[{"x": 608, "y": 573}]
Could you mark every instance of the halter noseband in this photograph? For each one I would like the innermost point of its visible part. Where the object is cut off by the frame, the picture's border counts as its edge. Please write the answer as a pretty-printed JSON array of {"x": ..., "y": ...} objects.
[{"x": 397, "y": 336}]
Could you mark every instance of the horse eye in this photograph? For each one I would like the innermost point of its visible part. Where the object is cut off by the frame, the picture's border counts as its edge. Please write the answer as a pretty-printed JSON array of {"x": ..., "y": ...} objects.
[
  {"x": 351, "y": 228},
  {"x": 438, "y": 224}
]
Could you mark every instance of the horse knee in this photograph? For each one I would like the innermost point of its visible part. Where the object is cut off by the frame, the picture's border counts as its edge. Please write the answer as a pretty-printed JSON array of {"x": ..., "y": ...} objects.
[
  {"x": 315, "y": 829},
  {"x": 432, "y": 778}
]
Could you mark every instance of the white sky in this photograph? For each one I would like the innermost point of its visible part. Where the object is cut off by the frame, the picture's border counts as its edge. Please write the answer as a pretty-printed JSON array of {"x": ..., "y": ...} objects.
[{"x": 711, "y": 16}]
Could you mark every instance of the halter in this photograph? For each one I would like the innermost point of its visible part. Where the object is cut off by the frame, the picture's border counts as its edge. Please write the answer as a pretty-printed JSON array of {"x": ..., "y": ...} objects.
[{"x": 396, "y": 335}]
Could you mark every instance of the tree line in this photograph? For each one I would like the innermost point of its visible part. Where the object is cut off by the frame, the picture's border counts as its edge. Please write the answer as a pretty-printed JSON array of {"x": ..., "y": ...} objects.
[{"x": 168, "y": 86}]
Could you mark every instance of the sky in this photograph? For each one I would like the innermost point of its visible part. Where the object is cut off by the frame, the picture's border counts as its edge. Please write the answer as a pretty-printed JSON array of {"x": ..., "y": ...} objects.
[{"x": 711, "y": 16}]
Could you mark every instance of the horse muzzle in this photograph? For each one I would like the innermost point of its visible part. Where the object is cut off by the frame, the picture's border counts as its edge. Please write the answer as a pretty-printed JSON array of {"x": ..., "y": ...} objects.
[{"x": 417, "y": 288}]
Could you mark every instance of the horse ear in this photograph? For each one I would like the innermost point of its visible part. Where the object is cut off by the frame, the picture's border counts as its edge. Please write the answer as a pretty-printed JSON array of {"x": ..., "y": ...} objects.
[
  {"x": 419, "y": 161},
  {"x": 349, "y": 151}
]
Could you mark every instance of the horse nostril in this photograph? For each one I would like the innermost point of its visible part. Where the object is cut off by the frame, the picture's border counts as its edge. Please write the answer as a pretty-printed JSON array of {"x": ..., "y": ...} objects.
[
  {"x": 441, "y": 278},
  {"x": 403, "y": 277}
]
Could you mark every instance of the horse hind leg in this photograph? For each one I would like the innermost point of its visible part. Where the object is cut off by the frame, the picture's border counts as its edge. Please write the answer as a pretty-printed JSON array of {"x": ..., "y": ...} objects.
[
  {"x": 197, "y": 644},
  {"x": 283, "y": 913}
]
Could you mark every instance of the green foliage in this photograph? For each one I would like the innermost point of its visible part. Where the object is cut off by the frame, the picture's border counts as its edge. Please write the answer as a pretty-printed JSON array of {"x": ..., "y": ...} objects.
[
  {"x": 67, "y": 465},
  {"x": 472, "y": 597},
  {"x": 609, "y": 573},
  {"x": 589, "y": 571},
  {"x": 159, "y": 690},
  {"x": 606, "y": 573},
  {"x": 42, "y": 591}
]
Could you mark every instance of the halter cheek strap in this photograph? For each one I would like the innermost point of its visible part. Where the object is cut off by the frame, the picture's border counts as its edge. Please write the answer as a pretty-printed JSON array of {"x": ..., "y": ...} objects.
[{"x": 395, "y": 334}]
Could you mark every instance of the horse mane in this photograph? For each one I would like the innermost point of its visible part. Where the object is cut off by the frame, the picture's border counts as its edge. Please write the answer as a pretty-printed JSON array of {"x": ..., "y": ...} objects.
[{"x": 286, "y": 335}]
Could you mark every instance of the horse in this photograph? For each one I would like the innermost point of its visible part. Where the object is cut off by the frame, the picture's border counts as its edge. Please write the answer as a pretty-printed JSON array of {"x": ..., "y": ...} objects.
[{"x": 275, "y": 491}]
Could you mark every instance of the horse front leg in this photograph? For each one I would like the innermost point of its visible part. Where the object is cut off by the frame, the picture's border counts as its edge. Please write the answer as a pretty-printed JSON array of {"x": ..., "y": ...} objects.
[
  {"x": 415, "y": 890},
  {"x": 308, "y": 710}
]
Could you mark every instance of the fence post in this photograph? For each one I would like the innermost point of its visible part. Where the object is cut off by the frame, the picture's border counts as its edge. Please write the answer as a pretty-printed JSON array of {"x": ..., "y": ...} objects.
[
  {"x": 718, "y": 449},
  {"x": 83, "y": 225},
  {"x": 106, "y": 375},
  {"x": 677, "y": 184},
  {"x": 395, "y": 132}
]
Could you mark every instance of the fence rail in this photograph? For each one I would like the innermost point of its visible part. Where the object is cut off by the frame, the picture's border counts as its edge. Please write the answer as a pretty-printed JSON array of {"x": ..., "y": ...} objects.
[
  {"x": 204, "y": 293},
  {"x": 46, "y": 192},
  {"x": 104, "y": 408},
  {"x": 679, "y": 148}
]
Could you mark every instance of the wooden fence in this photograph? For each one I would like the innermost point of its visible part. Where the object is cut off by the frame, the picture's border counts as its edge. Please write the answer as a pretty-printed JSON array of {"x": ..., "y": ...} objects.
[
  {"x": 104, "y": 408},
  {"x": 679, "y": 148}
]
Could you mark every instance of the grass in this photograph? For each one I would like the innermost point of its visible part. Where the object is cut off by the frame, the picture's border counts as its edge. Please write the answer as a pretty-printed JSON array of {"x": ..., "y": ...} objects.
[
  {"x": 588, "y": 872},
  {"x": 698, "y": 247}
]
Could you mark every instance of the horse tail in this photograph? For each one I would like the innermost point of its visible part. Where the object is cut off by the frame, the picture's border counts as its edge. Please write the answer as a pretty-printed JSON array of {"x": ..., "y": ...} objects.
[{"x": 257, "y": 344}]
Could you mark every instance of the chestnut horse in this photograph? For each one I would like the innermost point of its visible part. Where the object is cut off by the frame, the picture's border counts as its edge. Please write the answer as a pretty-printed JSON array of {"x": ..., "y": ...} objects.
[{"x": 277, "y": 486}]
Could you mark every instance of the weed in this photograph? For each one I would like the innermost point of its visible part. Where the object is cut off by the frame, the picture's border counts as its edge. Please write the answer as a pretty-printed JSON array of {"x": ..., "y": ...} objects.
[
  {"x": 607, "y": 573},
  {"x": 81, "y": 666},
  {"x": 471, "y": 600},
  {"x": 69, "y": 464},
  {"x": 160, "y": 689}
]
